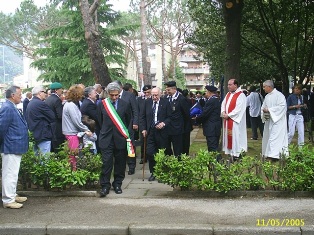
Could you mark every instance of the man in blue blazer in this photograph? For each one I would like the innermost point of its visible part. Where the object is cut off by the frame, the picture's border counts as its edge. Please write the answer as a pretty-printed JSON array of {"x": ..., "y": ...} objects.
[{"x": 13, "y": 143}]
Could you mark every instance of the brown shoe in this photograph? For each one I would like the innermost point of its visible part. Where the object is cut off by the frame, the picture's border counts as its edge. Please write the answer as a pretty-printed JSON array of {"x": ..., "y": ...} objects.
[
  {"x": 20, "y": 199},
  {"x": 12, "y": 205}
]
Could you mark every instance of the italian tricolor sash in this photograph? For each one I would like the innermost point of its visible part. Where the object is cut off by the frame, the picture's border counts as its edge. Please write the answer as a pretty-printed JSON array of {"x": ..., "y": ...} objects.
[
  {"x": 115, "y": 118},
  {"x": 229, "y": 121}
]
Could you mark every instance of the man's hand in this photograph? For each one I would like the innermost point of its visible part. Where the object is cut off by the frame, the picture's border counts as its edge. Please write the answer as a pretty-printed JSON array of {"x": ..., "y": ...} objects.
[
  {"x": 224, "y": 115},
  {"x": 144, "y": 132},
  {"x": 265, "y": 110},
  {"x": 160, "y": 125}
]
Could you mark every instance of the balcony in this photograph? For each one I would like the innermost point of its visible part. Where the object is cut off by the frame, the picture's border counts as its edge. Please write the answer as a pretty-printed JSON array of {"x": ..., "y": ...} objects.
[
  {"x": 187, "y": 59},
  {"x": 195, "y": 70},
  {"x": 195, "y": 83}
]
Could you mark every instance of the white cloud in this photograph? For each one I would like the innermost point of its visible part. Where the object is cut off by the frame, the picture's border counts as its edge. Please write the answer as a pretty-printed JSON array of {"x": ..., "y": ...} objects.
[{"x": 10, "y": 6}]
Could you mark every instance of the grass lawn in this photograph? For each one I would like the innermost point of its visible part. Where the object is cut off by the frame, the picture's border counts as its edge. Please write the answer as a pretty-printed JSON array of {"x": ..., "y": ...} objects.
[{"x": 254, "y": 146}]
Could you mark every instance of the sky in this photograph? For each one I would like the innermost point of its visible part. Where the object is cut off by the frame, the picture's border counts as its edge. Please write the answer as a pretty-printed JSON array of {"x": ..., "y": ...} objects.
[{"x": 10, "y": 6}]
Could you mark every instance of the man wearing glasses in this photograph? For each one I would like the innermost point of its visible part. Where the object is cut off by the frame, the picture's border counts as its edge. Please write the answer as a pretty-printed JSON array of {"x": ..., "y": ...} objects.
[
  {"x": 40, "y": 119},
  {"x": 154, "y": 124}
]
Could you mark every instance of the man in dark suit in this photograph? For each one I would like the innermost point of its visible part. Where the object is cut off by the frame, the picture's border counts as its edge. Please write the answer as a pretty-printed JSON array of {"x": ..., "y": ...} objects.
[
  {"x": 131, "y": 99},
  {"x": 187, "y": 125},
  {"x": 180, "y": 113},
  {"x": 54, "y": 101},
  {"x": 112, "y": 143},
  {"x": 28, "y": 97},
  {"x": 40, "y": 119},
  {"x": 141, "y": 102},
  {"x": 211, "y": 120},
  {"x": 13, "y": 143},
  {"x": 89, "y": 108},
  {"x": 154, "y": 122}
]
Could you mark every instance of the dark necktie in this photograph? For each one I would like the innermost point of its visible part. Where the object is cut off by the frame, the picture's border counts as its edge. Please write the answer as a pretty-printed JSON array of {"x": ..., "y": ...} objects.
[
  {"x": 114, "y": 105},
  {"x": 154, "y": 112}
]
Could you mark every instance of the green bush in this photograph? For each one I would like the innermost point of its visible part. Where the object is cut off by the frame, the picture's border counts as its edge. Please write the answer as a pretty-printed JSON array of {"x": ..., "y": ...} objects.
[
  {"x": 54, "y": 170},
  {"x": 204, "y": 172}
]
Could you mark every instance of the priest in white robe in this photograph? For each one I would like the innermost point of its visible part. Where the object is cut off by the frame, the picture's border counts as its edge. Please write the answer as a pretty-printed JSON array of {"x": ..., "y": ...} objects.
[
  {"x": 274, "y": 115},
  {"x": 233, "y": 112}
]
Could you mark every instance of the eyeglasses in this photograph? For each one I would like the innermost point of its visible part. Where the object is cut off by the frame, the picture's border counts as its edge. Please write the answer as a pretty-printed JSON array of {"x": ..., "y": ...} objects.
[
  {"x": 44, "y": 92},
  {"x": 155, "y": 95}
]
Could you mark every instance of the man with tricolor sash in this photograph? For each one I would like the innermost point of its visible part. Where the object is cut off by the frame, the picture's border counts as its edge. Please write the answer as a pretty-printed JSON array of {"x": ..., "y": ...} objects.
[
  {"x": 114, "y": 116},
  {"x": 233, "y": 108}
]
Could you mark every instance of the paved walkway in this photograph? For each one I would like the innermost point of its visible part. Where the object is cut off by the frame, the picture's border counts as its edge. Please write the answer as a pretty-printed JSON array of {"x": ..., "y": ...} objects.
[{"x": 146, "y": 208}]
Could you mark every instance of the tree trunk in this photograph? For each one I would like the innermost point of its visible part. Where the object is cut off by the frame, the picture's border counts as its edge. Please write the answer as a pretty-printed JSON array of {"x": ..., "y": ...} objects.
[
  {"x": 232, "y": 12},
  {"x": 138, "y": 71},
  {"x": 144, "y": 47},
  {"x": 92, "y": 37}
]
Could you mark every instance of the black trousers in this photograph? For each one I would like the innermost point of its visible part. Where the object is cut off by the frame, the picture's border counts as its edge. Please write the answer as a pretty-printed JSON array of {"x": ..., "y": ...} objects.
[
  {"x": 56, "y": 144},
  {"x": 155, "y": 142},
  {"x": 212, "y": 143},
  {"x": 113, "y": 158},
  {"x": 186, "y": 143},
  {"x": 256, "y": 122},
  {"x": 177, "y": 145}
]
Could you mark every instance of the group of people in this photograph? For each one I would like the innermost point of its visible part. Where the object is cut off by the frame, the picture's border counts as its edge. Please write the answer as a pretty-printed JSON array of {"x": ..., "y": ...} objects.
[{"x": 108, "y": 124}]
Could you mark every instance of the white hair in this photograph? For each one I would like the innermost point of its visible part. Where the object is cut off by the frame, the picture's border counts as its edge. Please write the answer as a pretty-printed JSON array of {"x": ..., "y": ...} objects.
[
  {"x": 113, "y": 86},
  {"x": 269, "y": 83},
  {"x": 37, "y": 89}
]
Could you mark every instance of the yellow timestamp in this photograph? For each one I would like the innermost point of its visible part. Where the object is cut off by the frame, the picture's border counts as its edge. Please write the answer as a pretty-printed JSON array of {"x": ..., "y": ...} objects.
[{"x": 279, "y": 222}]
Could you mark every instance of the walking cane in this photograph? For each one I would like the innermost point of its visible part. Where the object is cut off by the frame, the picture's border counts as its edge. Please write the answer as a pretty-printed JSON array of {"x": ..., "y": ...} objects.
[{"x": 144, "y": 157}]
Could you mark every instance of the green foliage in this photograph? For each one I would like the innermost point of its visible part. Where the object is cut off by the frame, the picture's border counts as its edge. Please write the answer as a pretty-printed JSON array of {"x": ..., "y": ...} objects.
[
  {"x": 204, "y": 172},
  {"x": 179, "y": 75},
  {"x": 276, "y": 38},
  {"x": 64, "y": 58},
  {"x": 54, "y": 170},
  {"x": 209, "y": 35},
  {"x": 298, "y": 169}
]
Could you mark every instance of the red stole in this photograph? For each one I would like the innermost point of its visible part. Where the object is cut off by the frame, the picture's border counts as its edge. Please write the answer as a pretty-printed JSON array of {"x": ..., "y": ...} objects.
[{"x": 229, "y": 121}]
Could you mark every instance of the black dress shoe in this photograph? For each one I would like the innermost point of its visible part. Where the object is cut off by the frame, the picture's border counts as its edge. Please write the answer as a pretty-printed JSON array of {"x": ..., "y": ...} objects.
[
  {"x": 131, "y": 172},
  {"x": 118, "y": 190},
  {"x": 151, "y": 178},
  {"x": 104, "y": 192}
]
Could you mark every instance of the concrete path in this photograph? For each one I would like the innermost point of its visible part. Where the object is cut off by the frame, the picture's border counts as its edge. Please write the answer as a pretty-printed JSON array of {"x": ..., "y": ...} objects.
[{"x": 146, "y": 208}]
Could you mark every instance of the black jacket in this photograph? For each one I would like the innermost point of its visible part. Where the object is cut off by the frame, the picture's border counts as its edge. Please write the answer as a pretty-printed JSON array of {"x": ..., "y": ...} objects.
[
  {"x": 40, "y": 119},
  {"x": 210, "y": 117},
  {"x": 55, "y": 104}
]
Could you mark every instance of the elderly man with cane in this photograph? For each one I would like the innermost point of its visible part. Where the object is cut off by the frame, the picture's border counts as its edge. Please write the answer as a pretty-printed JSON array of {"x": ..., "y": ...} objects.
[{"x": 154, "y": 123}]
